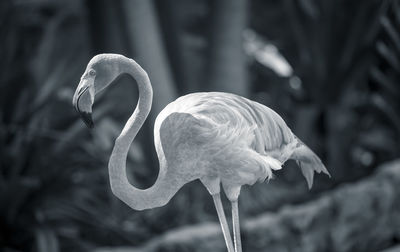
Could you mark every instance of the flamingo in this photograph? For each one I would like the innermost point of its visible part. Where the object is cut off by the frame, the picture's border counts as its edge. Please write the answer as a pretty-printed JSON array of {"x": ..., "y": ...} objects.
[{"x": 218, "y": 138}]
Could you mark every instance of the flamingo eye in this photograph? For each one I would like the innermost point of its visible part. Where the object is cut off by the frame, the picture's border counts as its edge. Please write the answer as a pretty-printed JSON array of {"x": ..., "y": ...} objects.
[{"x": 92, "y": 72}]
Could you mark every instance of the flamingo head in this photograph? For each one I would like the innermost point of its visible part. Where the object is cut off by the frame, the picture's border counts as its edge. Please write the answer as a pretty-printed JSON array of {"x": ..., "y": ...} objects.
[{"x": 102, "y": 70}]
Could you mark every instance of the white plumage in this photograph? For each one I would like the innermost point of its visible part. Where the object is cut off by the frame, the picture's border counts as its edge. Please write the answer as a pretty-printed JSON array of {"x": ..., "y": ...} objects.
[
  {"x": 219, "y": 138},
  {"x": 235, "y": 135}
]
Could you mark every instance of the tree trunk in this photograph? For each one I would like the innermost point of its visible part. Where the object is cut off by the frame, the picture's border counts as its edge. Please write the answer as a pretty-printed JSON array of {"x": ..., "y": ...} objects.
[
  {"x": 227, "y": 66},
  {"x": 148, "y": 48},
  {"x": 106, "y": 27}
]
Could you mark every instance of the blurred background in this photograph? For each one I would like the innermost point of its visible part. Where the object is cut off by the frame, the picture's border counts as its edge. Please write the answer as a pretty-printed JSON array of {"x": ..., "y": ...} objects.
[{"x": 330, "y": 68}]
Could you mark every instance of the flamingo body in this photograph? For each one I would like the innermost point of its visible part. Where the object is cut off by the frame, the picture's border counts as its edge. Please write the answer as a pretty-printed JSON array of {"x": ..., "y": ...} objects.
[{"x": 223, "y": 139}]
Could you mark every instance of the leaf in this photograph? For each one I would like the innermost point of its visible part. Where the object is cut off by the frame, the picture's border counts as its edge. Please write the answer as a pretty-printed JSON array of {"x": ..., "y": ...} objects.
[
  {"x": 388, "y": 55},
  {"x": 384, "y": 81},
  {"x": 46, "y": 240},
  {"x": 389, "y": 111},
  {"x": 392, "y": 32}
]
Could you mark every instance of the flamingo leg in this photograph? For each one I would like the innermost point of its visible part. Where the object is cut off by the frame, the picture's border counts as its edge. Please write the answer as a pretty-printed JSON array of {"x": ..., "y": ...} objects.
[
  {"x": 224, "y": 223},
  {"x": 236, "y": 226}
]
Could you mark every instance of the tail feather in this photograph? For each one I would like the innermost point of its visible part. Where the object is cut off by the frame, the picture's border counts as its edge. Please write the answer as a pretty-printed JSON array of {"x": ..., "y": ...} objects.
[{"x": 309, "y": 163}]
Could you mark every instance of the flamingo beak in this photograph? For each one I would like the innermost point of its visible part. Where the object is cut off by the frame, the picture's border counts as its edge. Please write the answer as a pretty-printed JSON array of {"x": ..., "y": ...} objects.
[{"x": 83, "y": 102}]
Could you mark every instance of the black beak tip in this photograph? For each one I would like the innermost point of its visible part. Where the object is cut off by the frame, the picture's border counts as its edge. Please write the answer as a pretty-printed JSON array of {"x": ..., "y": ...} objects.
[{"x": 87, "y": 119}]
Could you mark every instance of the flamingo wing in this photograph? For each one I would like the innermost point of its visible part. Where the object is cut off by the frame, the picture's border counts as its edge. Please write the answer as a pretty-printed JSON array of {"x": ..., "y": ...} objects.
[{"x": 241, "y": 115}]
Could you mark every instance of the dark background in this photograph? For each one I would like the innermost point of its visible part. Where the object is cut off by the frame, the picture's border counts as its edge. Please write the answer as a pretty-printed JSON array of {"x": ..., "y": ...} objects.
[{"x": 329, "y": 68}]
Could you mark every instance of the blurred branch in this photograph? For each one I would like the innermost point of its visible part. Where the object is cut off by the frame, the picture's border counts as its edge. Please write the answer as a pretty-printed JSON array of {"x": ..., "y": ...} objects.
[
  {"x": 266, "y": 54},
  {"x": 393, "y": 249}
]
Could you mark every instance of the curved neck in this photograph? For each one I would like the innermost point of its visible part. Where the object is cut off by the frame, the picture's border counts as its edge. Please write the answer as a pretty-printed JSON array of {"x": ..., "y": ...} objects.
[{"x": 160, "y": 193}]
